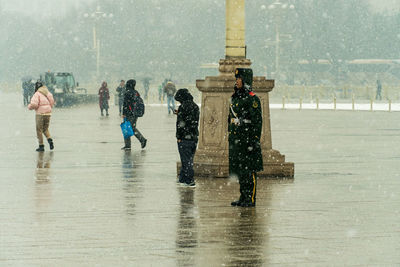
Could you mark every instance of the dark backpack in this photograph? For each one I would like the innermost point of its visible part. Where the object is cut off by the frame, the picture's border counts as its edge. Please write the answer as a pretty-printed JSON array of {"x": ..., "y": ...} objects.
[{"x": 139, "y": 106}]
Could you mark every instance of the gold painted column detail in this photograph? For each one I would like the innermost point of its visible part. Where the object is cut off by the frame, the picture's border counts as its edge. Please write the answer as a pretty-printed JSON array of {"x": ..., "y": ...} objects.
[{"x": 235, "y": 46}]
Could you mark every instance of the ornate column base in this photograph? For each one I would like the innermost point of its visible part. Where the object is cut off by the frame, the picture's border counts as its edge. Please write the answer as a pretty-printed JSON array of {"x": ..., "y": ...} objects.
[
  {"x": 274, "y": 166},
  {"x": 211, "y": 159}
]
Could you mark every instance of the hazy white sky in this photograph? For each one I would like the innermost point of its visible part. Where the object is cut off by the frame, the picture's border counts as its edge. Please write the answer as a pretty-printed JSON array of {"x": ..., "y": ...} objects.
[
  {"x": 387, "y": 5},
  {"x": 57, "y": 7},
  {"x": 46, "y": 7}
]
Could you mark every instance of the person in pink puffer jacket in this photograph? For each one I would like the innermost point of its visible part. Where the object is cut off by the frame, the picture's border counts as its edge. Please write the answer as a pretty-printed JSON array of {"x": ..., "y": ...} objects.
[{"x": 42, "y": 102}]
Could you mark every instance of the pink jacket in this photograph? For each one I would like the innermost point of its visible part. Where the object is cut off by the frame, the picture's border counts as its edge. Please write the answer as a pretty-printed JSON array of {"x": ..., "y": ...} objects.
[{"x": 42, "y": 101}]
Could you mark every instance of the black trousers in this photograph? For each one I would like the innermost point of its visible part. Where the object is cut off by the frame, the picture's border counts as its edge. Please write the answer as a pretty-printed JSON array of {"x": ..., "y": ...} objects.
[
  {"x": 120, "y": 104},
  {"x": 187, "y": 149},
  {"x": 138, "y": 135},
  {"x": 248, "y": 187},
  {"x": 26, "y": 99}
]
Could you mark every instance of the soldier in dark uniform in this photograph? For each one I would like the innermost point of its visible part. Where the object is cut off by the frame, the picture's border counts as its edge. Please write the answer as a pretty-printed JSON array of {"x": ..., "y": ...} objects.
[{"x": 245, "y": 124}]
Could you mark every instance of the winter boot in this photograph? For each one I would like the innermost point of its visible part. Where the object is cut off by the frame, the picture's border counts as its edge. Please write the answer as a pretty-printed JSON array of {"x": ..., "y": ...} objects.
[
  {"x": 247, "y": 204},
  {"x": 40, "y": 148},
  {"x": 144, "y": 143},
  {"x": 235, "y": 203},
  {"x": 51, "y": 143}
]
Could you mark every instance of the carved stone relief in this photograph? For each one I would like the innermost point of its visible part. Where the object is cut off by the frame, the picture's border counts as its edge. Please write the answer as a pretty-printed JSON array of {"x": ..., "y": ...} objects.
[{"x": 212, "y": 120}]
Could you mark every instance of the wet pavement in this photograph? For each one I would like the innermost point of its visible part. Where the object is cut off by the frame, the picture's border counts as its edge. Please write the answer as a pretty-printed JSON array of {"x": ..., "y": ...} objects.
[{"x": 89, "y": 203}]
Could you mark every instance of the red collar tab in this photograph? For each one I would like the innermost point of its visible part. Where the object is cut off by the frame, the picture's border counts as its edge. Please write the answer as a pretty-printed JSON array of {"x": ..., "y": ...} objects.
[{"x": 251, "y": 93}]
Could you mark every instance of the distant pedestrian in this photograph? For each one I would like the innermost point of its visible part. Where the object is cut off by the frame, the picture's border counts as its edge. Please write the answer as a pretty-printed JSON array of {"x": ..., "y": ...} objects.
[
  {"x": 378, "y": 90},
  {"x": 160, "y": 92},
  {"x": 120, "y": 92},
  {"x": 104, "y": 96},
  {"x": 170, "y": 90},
  {"x": 31, "y": 89},
  {"x": 42, "y": 102},
  {"x": 187, "y": 133},
  {"x": 146, "y": 85},
  {"x": 245, "y": 124},
  {"x": 131, "y": 111},
  {"x": 25, "y": 92}
]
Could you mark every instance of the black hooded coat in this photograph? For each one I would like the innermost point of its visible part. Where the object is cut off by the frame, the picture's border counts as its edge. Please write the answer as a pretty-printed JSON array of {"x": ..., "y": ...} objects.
[
  {"x": 187, "y": 123},
  {"x": 130, "y": 99}
]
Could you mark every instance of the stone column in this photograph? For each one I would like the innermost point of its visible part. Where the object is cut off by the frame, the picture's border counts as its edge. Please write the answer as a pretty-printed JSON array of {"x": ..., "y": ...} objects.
[
  {"x": 235, "y": 45},
  {"x": 211, "y": 159}
]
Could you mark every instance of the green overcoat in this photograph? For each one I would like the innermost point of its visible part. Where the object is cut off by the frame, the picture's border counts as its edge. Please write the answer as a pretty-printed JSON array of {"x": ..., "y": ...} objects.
[{"x": 245, "y": 124}]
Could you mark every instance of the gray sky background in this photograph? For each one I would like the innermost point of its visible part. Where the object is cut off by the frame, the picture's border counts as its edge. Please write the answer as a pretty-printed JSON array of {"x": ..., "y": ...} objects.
[
  {"x": 57, "y": 7},
  {"x": 386, "y": 5},
  {"x": 159, "y": 39},
  {"x": 54, "y": 7}
]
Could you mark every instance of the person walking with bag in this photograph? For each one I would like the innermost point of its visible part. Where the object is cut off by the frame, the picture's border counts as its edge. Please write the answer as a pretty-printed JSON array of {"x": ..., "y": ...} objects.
[
  {"x": 187, "y": 132},
  {"x": 133, "y": 108},
  {"x": 104, "y": 96},
  {"x": 42, "y": 102}
]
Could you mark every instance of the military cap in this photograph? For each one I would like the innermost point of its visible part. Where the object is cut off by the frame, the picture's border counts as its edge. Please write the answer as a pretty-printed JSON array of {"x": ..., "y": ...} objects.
[{"x": 246, "y": 75}]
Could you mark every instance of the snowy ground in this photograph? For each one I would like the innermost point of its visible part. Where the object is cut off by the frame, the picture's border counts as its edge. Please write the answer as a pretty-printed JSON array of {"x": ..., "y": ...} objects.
[{"x": 90, "y": 203}]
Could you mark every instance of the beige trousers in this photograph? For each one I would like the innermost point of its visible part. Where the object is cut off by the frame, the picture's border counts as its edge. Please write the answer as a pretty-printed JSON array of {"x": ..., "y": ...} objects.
[{"x": 42, "y": 127}]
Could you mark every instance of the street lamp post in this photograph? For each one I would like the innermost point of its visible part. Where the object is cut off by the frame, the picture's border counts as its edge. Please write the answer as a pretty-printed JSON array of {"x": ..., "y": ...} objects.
[
  {"x": 276, "y": 9},
  {"x": 96, "y": 16}
]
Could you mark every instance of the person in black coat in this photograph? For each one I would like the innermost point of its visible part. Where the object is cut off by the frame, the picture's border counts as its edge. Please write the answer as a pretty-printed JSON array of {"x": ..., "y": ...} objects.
[
  {"x": 187, "y": 133},
  {"x": 129, "y": 112}
]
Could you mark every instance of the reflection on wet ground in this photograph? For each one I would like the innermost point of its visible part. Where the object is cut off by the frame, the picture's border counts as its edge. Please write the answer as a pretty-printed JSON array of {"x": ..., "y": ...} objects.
[
  {"x": 43, "y": 165},
  {"x": 89, "y": 203}
]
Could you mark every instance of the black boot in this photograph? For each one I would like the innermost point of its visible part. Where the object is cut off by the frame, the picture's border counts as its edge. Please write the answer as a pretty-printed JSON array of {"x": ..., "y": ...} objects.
[
  {"x": 40, "y": 148},
  {"x": 51, "y": 143},
  {"x": 235, "y": 203},
  {"x": 247, "y": 204},
  {"x": 127, "y": 146},
  {"x": 144, "y": 143}
]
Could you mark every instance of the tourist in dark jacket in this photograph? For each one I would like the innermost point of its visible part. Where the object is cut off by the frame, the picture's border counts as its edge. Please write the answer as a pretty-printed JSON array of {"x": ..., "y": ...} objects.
[
  {"x": 129, "y": 112},
  {"x": 104, "y": 96},
  {"x": 187, "y": 133}
]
